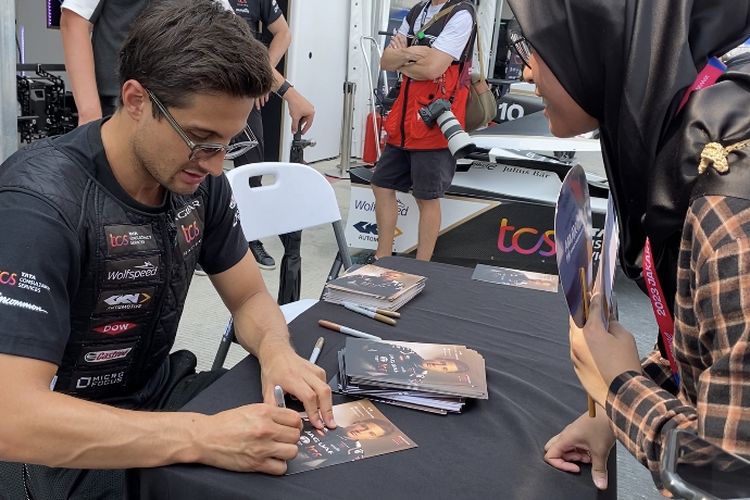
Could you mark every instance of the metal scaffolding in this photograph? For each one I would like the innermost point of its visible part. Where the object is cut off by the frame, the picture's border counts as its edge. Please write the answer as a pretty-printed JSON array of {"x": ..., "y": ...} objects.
[{"x": 8, "y": 130}]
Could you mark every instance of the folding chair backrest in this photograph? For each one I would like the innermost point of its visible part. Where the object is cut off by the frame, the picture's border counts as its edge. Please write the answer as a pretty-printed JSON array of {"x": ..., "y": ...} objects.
[{"x": 300, "y": 197}]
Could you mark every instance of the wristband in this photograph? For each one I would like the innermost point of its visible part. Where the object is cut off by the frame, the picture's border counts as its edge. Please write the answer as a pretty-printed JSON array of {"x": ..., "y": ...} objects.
[{"x": 283, "y": 88}]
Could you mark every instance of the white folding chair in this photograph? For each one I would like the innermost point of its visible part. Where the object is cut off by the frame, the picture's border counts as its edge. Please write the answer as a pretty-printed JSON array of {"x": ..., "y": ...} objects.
[{"x": 300, "y": 197}]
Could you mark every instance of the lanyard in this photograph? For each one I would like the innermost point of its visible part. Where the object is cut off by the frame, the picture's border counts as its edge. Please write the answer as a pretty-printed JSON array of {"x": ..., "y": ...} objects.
[
  {"x": 707, "y": 77},
  {"x": 661, "y": 312}
]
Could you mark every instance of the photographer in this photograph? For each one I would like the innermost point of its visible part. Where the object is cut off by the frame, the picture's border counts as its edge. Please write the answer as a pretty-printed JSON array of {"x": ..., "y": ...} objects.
[{"x": 432, "y": 50}]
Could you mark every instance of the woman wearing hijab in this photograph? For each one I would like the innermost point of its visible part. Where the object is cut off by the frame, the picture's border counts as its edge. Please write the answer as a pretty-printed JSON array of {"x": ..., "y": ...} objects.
[{"x": 679, "y": 173}]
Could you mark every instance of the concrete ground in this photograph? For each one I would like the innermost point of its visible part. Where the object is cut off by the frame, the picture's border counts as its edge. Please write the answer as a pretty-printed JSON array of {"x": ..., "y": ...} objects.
[{"x": 205, "y": 316}]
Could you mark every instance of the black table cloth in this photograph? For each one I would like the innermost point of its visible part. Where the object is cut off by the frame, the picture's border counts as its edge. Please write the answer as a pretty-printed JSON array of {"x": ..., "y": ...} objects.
[{"x": 493, "y": 449}]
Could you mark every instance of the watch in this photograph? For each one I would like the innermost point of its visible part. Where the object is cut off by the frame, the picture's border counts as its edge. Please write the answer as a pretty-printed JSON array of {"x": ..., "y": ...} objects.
[{"x": 283, "y": 88}]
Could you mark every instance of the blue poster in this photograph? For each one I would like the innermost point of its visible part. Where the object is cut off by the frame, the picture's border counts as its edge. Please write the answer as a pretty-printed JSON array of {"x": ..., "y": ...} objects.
[{"x": 573, "y": 242}]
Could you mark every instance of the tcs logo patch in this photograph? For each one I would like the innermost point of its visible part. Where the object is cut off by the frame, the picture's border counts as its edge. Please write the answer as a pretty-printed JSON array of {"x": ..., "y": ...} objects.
[
  {"x": 525, "y": 240},
  {"x": 8, "y": 278}
]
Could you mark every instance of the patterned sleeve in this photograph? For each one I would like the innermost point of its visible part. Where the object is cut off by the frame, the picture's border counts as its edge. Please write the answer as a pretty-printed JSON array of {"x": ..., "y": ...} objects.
[
  {"x": 711, "y": 343},
  {"x": 657, "y": 368}
]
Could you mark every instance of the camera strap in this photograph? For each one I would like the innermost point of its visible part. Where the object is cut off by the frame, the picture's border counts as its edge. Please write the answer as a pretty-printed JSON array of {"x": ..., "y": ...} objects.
[{"x": 422, "y": 29}]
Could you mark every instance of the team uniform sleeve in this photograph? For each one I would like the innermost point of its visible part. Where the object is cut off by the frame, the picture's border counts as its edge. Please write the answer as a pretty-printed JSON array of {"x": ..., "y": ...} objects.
[
  {"x": 224, "y": 243},
  {"x": 269, "y": 12},
  {"x": 39, "y": 274}
]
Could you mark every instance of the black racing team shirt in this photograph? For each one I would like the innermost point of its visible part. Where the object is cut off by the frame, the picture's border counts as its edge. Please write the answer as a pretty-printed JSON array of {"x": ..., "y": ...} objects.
[
  {"x": 255, "y": 12},
  {"x": 41, "y": 262}
]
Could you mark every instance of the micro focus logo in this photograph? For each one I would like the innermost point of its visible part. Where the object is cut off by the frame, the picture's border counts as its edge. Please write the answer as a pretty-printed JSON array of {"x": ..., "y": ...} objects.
[
  {"x": 525, "y": 240},
  {"x": 8, "y": 278},
  {"x": 122, "y": 238},
  {"x": 125, "y": 301},
  {"x": 103, "y": 356},
  {"x": 103, "y": 380},
  {"x": 115, "y": 328}
]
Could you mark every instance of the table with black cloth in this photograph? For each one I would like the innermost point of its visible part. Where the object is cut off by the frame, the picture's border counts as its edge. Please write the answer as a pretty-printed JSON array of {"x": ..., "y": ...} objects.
[{"x": 493, "y": 449}]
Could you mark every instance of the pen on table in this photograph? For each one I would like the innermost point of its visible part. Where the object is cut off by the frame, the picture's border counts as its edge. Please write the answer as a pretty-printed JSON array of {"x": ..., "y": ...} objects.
[
  {"x": 345, "y": 329},
  {"x": 384, "y": 312},
  {"x": 316, "y": 350},
  {"x": 370, "y": 314},
  {"x": 278, "y": 395}
]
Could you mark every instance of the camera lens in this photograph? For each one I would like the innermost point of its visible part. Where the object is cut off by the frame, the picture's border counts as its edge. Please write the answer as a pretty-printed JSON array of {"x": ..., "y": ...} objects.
[{"x": 459, "y": 142}]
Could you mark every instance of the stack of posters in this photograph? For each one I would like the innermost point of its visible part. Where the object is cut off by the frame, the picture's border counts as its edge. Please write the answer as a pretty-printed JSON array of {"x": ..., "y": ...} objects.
[
  {"x": 362, "y": 432},
  {"x": 436, "y": 378},
  {"x": 374, "y": 286}
]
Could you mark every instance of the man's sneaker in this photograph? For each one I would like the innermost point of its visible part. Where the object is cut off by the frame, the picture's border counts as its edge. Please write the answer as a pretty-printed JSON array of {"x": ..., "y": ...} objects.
[
  {"x": 264, "y": 260},
  {"x": 199, "y": 270}
]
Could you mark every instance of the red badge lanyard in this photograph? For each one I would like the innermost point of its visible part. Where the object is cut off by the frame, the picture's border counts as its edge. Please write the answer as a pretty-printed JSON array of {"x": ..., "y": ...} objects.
[
  {"x": 659, "y": 304},
  {"x": 707, "y": 77}
]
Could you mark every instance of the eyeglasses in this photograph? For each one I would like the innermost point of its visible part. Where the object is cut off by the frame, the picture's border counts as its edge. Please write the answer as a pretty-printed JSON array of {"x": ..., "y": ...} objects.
[
  {"x": 521, "y": 46},
  {"x": 206, "y": 150}
]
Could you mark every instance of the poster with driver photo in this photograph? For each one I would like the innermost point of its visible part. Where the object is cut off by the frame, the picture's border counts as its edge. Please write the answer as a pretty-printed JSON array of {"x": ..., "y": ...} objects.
[{"x": 362, "y": 432}]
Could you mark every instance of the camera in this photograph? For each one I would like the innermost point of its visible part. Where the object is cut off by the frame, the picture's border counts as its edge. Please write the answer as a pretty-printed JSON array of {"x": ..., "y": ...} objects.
[{"x": 439, "y": 112}]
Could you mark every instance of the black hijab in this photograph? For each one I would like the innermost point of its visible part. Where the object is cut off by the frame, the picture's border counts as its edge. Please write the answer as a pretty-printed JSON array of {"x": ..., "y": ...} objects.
[{"x": 628, "y": 63}]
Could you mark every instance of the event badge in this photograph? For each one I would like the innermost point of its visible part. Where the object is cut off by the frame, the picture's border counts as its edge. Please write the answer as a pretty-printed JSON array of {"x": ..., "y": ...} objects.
[{"x": 574, "y": 243}]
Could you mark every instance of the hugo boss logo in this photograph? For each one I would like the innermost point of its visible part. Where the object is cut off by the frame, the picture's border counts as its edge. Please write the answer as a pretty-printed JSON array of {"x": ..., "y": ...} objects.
[{"x": 126, "y": 238}]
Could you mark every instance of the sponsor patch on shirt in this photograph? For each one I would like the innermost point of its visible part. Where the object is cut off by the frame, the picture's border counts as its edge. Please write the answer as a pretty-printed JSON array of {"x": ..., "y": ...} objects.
[
  {"x": 98, "y": 380},
  {"x": 122, "y": 271},
  {"x": 189, "y": 232},
  {"x": 115, "y": 328},
  {"x": 20, "y": 304},
  {"x": 127, "y": 239},
  {"x": 125, "y": 300},
  {"x": 104, "y": 354}
]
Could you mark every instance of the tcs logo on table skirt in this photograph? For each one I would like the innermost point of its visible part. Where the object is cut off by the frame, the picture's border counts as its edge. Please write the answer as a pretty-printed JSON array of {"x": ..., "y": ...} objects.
[
  {"x": 525, "y": 240},
  {"x": 8, "y": 278}
]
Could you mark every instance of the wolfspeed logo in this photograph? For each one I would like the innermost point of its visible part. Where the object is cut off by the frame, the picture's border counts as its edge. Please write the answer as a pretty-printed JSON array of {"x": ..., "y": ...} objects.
[
  {"x": 7, "y": 301},
  {"x": 99, "y": 380},
  {"x": 115, "y": 328},
  {"x": 131, "y": 270},
  {"x": 123, "y": 239},
  {"x": 120, "y": 301},
  {"x": 111, "y": 355},
  {"x": 369, "y": 206}
]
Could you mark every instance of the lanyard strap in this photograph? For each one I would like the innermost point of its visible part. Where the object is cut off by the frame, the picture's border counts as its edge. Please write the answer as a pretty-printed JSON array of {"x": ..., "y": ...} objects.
[
  {"x": 707, "y": 77},
  {"x": 661, "y": 312}
]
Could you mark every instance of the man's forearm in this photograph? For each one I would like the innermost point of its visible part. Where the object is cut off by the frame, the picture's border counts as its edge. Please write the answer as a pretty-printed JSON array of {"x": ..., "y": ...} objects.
[
  {"x": 393, "y": 59},
  {"x": 79, "y": 64},
  {"x": 61, "y": 431},
  {"x": 259, "y": 325},
  {"x": 278, "y": 47}
]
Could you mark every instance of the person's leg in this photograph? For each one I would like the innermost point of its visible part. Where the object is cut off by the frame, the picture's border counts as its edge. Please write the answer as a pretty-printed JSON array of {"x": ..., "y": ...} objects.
[
  {"x": 432, "y": 173},
  {"x": 255, "y": 155},
  {"x": 386, "y": 214},
  {"x": 391, "y": 174},
  {"x": 429, "y": 227}
]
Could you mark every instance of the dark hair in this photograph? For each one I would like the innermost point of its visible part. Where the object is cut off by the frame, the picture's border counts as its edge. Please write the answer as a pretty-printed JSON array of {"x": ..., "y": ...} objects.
[{"x": 177, "y": 48}]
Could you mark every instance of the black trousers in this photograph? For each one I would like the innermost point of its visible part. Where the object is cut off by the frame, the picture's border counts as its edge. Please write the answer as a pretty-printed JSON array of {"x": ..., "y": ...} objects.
[{"x": 37, "y": 482}]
